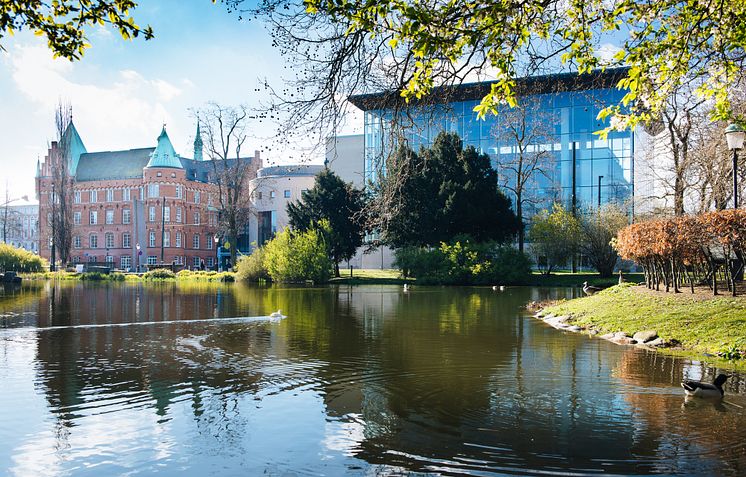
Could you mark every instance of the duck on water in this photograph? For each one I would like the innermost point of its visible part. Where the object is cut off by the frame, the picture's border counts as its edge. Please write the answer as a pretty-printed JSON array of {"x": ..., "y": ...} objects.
[{"x": 705, "y": 390}]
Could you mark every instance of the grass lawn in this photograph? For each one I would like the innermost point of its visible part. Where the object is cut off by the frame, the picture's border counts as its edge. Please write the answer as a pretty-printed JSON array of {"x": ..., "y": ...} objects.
[
  {"x": 569, "y": 279},
  {"x": 363, "y": 276},
  {"x": 701, "y": 325}
]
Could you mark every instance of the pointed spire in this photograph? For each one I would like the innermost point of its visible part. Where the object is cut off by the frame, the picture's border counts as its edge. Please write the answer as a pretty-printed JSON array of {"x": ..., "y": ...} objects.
[
  {"x": 75, "y": 144},
  {"x": 38, "y": 167},
  {"x": 164, "y": 154},
  {"x": 198, "y": 145}
]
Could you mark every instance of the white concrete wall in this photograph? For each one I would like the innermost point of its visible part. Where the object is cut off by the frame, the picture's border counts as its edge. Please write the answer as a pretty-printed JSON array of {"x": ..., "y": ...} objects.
[{"x": 345, "y": 156}]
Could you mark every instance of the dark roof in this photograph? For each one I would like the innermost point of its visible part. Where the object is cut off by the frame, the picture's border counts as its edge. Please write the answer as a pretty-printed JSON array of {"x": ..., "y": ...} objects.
[
  {"x": 203, "y": 171},
  {"x": 291, "y": 170},
  {"x": 109, "y": 165},
  {"x": 554, "y": 83}
]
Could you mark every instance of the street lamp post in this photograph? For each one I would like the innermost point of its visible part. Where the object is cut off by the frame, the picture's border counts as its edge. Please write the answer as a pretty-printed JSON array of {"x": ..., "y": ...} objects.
[
  {"x": 138, "y": 257},
  {"x": 216, "y": 237},
  {"x": 735, "y": 136}
]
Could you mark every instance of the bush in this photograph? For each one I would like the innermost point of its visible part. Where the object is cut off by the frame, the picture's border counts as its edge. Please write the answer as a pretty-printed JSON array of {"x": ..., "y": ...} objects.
[
  {"x": 252, "y": 267},
  {"x": 205, "y": 276},
  {"x": 464, "y": 263},
  {"x": 116, "y": 276},
  {"x": 159, "y": 274},
  {"x": 93, "y": 276},
  {"x": 20, "y": 260},
  {"x": 298, "y": 256}
]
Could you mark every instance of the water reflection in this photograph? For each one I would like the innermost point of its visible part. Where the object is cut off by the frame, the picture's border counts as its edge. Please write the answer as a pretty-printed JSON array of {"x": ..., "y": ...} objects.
[{"x": 355, "y": 380}]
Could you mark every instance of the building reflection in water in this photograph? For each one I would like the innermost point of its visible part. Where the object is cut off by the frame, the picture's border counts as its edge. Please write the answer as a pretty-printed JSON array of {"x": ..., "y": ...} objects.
[{"x": 454, "y": 379}]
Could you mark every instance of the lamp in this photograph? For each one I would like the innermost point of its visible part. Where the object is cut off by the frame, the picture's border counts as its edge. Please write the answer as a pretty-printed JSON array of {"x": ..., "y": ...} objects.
[
  {"x": 216, "y": 238},
  {"x": 735, "y": 136}
]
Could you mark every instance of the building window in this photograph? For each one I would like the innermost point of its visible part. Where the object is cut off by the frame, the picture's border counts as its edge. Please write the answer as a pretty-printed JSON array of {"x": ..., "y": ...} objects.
[
  {"x": 109, "y": 217},
  {"x": 152, "y": 239},
  {"x": 178, "y": 192},
  {"x": 196, "y": 218},
  {"x": 110, "y": 259},
  {"x": 125, "y": 216},
  {"x": 109, "y": 195},
  {"x": 208, "y": 241},
  {"x": 93, "y": 196},
  {"x": 126, "y": 241},
  {"x": 178, "y": 215},
  {"x": 152, "y": 260},
  {"x": 93, "y": 217},
  {"x": 286, "y": 193},
  {"x": 209, "y": 262},
  {"x": 195, "y": 262},
  {"x": 196, "y": 197},
  {"x": 259, "y": 195},
  {"x": 76, "y": 241},
  {"x": 125, "y": 263},
  {"x": 151, "y": 214},
  {"x": 209, "y": 199},
  {"x": 166, "y": 239},
  {"x": 126, "y": 193},
  {"x": 142, "y": 193},
  {"x": 76, "y": 218},
  {"x": 93, "y": 241},
  {"x": 167, "y": 214},
  {"x": 153, "y": 190},
  {"x": 195, "y": 241},
  {"x": 178, "y": 239},
  {"x": 109, "y": 240},
  {"x": 91, "y": 258},
  {"x": 76, "y": 259},
  {"x": 272, "y": 194},
  {"x": 158, "y": 174},
  {"x": 78, "y": 198}
]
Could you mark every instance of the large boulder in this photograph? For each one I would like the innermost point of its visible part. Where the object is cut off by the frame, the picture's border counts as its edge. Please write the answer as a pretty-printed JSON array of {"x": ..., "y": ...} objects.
[{"x": 645, "y": 336}]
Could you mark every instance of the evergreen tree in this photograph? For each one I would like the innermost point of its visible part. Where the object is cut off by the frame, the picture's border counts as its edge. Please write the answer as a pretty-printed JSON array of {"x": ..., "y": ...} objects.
[
  {"x": 441, "y": 193},
  {"x": 338, "y": 202}
]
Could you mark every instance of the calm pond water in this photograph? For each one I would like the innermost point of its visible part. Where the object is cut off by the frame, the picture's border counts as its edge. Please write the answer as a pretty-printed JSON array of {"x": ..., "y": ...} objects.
[{"x": 124, "y": 379}]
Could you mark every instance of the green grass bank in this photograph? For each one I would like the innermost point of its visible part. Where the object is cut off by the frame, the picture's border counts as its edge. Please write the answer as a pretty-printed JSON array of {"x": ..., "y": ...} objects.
[{"x": 712, "y": 326}]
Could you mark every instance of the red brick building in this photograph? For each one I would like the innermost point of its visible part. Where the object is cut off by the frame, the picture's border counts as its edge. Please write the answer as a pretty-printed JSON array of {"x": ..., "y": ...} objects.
[{"x": 136, "y": 207}]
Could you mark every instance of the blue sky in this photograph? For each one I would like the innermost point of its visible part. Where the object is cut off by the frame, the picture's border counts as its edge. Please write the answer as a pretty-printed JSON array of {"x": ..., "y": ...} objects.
[{"x": 122, "y": 91}]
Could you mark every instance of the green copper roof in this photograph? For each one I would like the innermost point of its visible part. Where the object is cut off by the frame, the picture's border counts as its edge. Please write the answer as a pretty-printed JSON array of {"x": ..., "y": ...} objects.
[
  {"x": 164, "y": 154},
  {"x": 76, "y": 146},
  {"x": 198, "y": 145},
  {"x": 38, "y": 168},
  {"x": 110, "y": 165}
]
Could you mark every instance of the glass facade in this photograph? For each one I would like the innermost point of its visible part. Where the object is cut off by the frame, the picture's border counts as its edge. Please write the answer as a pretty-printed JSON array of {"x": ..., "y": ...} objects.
[{"x": 554, "y": 121}]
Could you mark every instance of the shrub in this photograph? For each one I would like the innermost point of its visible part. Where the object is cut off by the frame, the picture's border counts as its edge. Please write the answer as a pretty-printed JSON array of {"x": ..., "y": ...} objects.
[
  {"x": 298, "y": 256},
  {"x": 464, "y": 263},
  {"x": 116, "y": 276},
  {"x": 93, "y": 276},
  {"x": 252, "y": 267},
  {"x": 159, "y": 274},
  {"x": 20, "y": 260}
]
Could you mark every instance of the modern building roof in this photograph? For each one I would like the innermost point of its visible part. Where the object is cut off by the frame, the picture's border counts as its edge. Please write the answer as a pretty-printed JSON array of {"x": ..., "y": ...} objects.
[
  {"x": 554, "y": 83},
  {"x": 291, "y": 170},
  {"x": 164, "y": 154},
  {"x": 110, "y": 165}
]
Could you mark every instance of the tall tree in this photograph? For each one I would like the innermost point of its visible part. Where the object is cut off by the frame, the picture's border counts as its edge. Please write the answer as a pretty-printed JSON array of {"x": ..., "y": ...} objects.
[
  {"x": 554, "y": 237},
  {"x": 426, "y": 44},
  {"x": 61, "y": 198},
  {"x": 598, "y": 228},
  {"x": 64, "y": 23},
  {"x": 527, "y": 129},
  {"x": 342, "y": 205},
  {"x": 439, "y": 193},
  {"x": 224, "y": 131}
]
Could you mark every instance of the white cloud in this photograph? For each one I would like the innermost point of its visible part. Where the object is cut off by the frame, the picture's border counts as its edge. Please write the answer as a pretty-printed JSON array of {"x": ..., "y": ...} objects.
[
  {"x": 606, "y": 52},
  {"x": 123, "y": 114}
]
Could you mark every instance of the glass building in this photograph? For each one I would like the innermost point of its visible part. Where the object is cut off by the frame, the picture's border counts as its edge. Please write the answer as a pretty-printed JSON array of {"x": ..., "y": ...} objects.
[{"x": 554, "y": 126}]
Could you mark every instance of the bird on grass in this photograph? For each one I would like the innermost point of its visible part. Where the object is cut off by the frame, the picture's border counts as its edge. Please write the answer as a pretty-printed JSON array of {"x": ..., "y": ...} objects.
[
  {"x": 590, "y": 290},
  {"x": 705, "y": 390}
]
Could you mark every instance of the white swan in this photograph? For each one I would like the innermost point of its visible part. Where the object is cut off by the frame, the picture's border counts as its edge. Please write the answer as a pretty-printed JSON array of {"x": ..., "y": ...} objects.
[
  {"x": 406, "y": 287},
  {"x": 277, "y": 314}
]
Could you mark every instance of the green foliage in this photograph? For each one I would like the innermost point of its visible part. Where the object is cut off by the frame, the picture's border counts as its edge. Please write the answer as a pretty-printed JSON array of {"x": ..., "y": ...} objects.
[
  {"x": 93, "y": 276},
  {"x": 64, "y": 22},
  {"x": 20, "y": 260},
  {"x": 294, "y": 256},
  {"x": 464, "y": 263},
  {"x": 666, "y": 43},
  {"x": 440, "y": 193},
  {"x": 205, "y": 276},
  {"x": 339, "y": 203},
  {"x": 159, "y": 274},
  {"x": 598, "y": 230},
  {"x": 252, "y": 267},
  {"x": 554, "y": 237}
]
